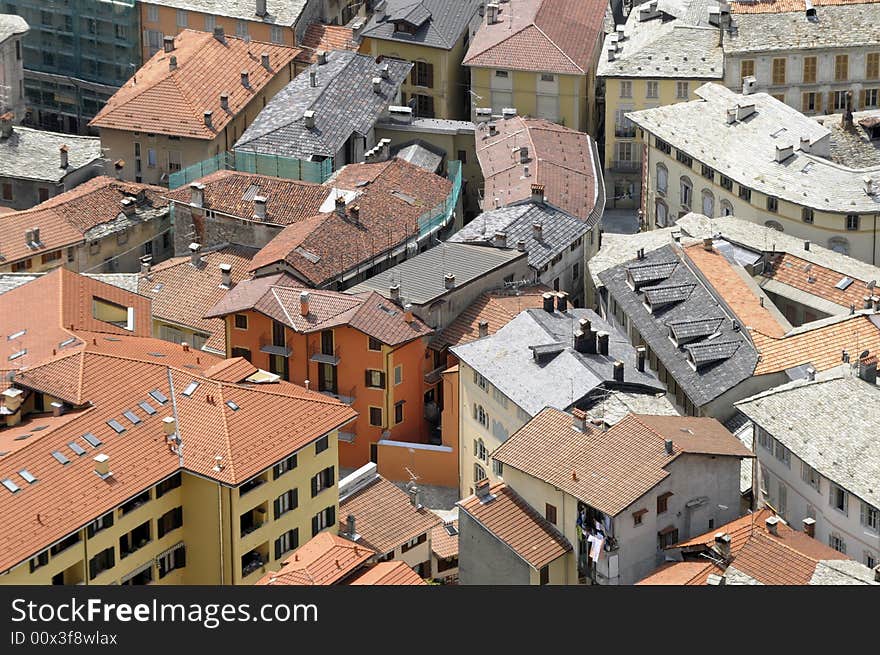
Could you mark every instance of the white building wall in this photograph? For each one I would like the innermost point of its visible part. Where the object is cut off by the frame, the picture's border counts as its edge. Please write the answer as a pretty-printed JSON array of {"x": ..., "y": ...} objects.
[{"x": 11, "y": 78}]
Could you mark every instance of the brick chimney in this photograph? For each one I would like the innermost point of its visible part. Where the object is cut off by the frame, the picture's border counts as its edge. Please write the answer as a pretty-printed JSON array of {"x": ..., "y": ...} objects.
[
  {"x": 129, "y": 206},
  {"x": 772, "y": 525},
  {"x": 209, "y": 119},
  {"x": 146, "y": 265},
  {"x": 6, "y": 125},
  {"x": 537, "y": 193},
  {"x": 224, "y": 101},
  {"x": 304, "y": 303}
]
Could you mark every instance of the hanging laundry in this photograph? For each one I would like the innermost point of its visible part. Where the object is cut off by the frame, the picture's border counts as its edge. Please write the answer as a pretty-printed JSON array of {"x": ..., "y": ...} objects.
[{"x": 596, "y": 548}]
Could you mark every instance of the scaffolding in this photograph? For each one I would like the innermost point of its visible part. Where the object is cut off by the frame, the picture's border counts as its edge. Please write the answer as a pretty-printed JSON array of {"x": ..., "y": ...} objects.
[{"x": 249, "y": 162}]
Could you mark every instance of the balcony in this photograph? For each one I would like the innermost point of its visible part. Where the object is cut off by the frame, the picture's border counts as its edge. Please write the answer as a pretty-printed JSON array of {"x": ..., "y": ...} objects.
[
  {"x": 347, "y": 397},
  {"x": 134, "y": 540},
  {"x": 625, "y": 166},
  {"x": 318, "y": 354},
  {"x": 269, "y": 347},
  {"x": 255, "y": 560},
  {"x": 625, "y": 131},
  {"x": 251, "y": 484},
  {"x": 253, "y": 520}
]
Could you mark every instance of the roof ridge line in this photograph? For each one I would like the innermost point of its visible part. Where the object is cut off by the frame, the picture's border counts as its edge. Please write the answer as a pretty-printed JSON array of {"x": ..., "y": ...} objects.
[
  {"x": 498, "y": 43},
  {"x": 556, "y": 45},
  {"x": 226, "y": 440}
]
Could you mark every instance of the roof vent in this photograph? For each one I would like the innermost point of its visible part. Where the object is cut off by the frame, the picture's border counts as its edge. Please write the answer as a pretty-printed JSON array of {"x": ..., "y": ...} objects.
[
  {"x": 321, "y": 57},
  {"x": 129, "y": 206},
  {"x": 225, "y": 275},
  {"x": 483, "y": 328},
  {"x": 102, "y": 466},
  {"x": 169, "y": 426},
  {"x": 377, "y": 85},
  {"x": 219, "y": 34},
  {"x": 538, "y": 195},
  {"x": 772, "y": 524},
  {"x": 744, "y": 110},
  {"x": 508, "y": 112},
  {"x": 309, "y": 118},
  {"x": 224, "y": 101},
  {"x": 493, "y": 129},
  {"x": 449, "y": 280},
  {"x": 264, "y": 60},
  {"x": 521, "y": 245},
  {"x": 481, "y": 488},
  {"x": 669, "y": 446}
]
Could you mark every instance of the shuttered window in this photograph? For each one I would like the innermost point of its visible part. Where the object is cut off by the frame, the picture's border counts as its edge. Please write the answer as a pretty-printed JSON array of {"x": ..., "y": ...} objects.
[{"x": 841, "y": 68}]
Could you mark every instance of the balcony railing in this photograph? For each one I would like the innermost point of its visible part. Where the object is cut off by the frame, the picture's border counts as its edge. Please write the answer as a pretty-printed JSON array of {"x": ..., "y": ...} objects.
[
  {"x": 626, "y": 166},
  {"x": 317, "y": 354},
  {"x": 346, "y": 397},
  {"x": 627, "y": 131},
  {"x": 268, "y": 346},
  {"x": 251, "y": 566}
]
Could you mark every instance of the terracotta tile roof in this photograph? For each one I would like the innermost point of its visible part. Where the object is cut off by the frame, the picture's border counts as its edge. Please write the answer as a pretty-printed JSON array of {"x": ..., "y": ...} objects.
[
  {"x": 560, "y": 34},
  {"x": 443, "y": 544},
  {"x": 612, "y": 469},
  {"x": 32, "y": 426},
  {"x": 734, "y": 290},
  {"x": 368, "y": 312},
  {"x": 325, "y": 37},
  {"x": 235, "y": 369},
  {"x": 392, "y": 195},
  {"x": 389, "y": 573},
  {"x": 497, "y": 308},
  {"x": 822, "y": 346},
  {"x": 782, "y": 6},
  {"x": 680, "y": 573},
  {"x": 231, "y": 192},
  {"x": 816, "y": 280},
  {"x": 323, "y": 560},
  {"x": 384, "y": 517},
  {"x": 513, "y": 521},
  {"x": 165, "y": 101},
  {"x": 65, "y": 219},
  {"x": 561, "y": 159},
  {"x": 182, "y": 293}
]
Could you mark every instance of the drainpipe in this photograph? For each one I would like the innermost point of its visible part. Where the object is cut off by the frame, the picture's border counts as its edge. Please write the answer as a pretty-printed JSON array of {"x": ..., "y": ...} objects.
[
  {"x": 220, "y": 525},
  {"x": 389, "y": 380},
  {"x": 874, "y": 247},
  {"x": 86, "y": 555}
]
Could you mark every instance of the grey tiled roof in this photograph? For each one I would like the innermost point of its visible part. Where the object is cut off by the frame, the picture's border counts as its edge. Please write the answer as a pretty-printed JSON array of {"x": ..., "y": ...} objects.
[
  {"x": 708, "y": 381},
  {"x": 442, "y": 22},
  {"x": 421, "y": 153},
  {"x": 280, "y": 12},
  {"x": 799, "y": 414},
  {"x": 842, "y": 572},
  {"x": 10, "y": 281},
  {"x": 559, "y": 229},
  {"x": 569, "y": 378},
  {"x": 35, "y": 154},
  {"x": 421, "y": 278},
  {"x": 700, "y": 129},
  {"x": 842, "y": 26},
  {"x": 343, "y": 101},
  {"x": 127, "y": 281},
  {"x": 11, "y": 24}
]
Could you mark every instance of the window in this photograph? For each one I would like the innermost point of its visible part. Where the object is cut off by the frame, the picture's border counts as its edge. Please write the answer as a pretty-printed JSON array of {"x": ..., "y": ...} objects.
[
  {"x": 637, "y": 516},
  {"x": 839, "y": 100},
  {"x": 662, "y": 179},
  {"x": 839, "y": 498},
  {"x": 765, "y": 439},
  {"x": 772, "y": 204},
  {"x": 173, "y": 160},
  {"x": 808, "y": 103},
  {"x": 836, "y": 542},
  {"x": 681, "y": 90},
  {"x": 7, "y": 191},
  {"x": 398, "y": 412},
  {"x": 782, "y": 498},
  {"x": 502, "y": 74},
  {"x": 42, "y": 192},
  {"x": 423, "y": 74},
  {"x": 241, "y": 321},
  {"x": 479, "y": 473},
  {"x": 135, "y": 502},
  {"x": 375, "y": 379},
  {"x": 661, "y": 213},
  {"x": 809, "y": 70},
  {"x": 806, "y": 215},
  {"x": 667, "y": 537},
  {"x": 480, "y": 381},
  {"x": 684, "y": 158},
  {"x": 726, "y": 208},
  {"x": 686, "y": 192},
  {"x": 550, "y": 513},
  {"x": 287, "y": 501},
  {"x": 497, "y": 468},
  {"x": 104, "y": 560},
  {"x": 376, "y": 416},
  {"x": 40, "y": 560},
  {"x": 462, "y": 156},
  {"x": 284, "y": 466},
  {"x": 241, "y": 28},
  {"x": 241, "y": 352},
  {"x": 210, "y": 22},
  {"x": 64, "y": 544},
  {"x": 424, "y": 105},
  {"x": 663, "y": 502},
  {"x": 810, "y": 475},
  {"x": 171, "y": 560},
  {"x": 726, "y": 183},
  {"x": 480, "y": 450},
  {"x": 662, "y": 146},
  {"x": 852, "y": 221},
  {"x": 167, "y": 485},
  {"x": 708, "y": 203},
  {"x": 374, "y": 344},
  {"x": 51, "y": 257},
  {"x": 286, "y": 542},
  {"x": 99, "y": 524},
  {"x": 745, "y": 193},
  {"x": 151, "y": 157},
  {"x": 182, "y": 18},
  {"x": 545, "y": 574},
  {"x": 624, "y": 151},
  {"x": 870, "y": 517},
  {"x": 626, "y": 89},
  {"x": 152, "y": 14},
  {"x": 21, "y": 266},
  {"x": 652, "y": 89},
  {"x": 870, "y": 560},
  {"x": 841, "y": 68},
  {"x": 324, "y": 519},
  {"x": 276, "y": 34},
  {"x": 548, "y": 77},
  {"x": 707, "y": 172},
  {"x": 870, "y": 98},
  {"x": 169, "y": 521},
  {"x": 746, "y": 68},
  {"x": 481, "y": 416},
  {"x": 412, "y": 543},
  {"x": 322, "y": 480},
  {"x": 778, "y": 72}
]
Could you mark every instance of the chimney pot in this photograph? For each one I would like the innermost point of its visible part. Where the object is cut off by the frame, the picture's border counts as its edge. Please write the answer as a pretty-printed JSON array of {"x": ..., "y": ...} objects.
[
  {"x": 493, "y": 129},
  {"x": 309, "y": 118},
  {"x": 208, "y": 119},
  {"x": 523, "y": 155},
  {"x": 481, "y": 488},
  {"x": 537, "y": 193},
  {"x": 226, "y": 275},
  {"x": 602, "y": 341},
  {"x": 668, "y": 445},
  {"x": 537, "y": 231},
  {"x": 129, "y": 206},
  {"x": 394, "y": 292},
  {"x": 349, "y": 525},
  {"x": 707, "y": 244},
  {"x": 219, "y": 34},
  {"x": 449, "y": 280},
  {"x": 483, "y": 328},
  {"x": 196, "y": 194},
  {"x": 321, "y": 57},
  {"x": 261, "y": 8},
  {"x": 146, "y": 264},
  {"x": 722, "y": 544},
  {"x": 304, "y": 303},
  {"x": 224, "y": 101},
  {"x": 57, "y": 409},
  {"x": 168, "y": 43},
  {"x": 500, "y": 240},
  {"x": 807, "y": 244},
  {"x": 194, "y": 255},
  {"x": 377, "y": 85},
  {"x": 548, "y": 302},
  {"x": 810, "y": 526},
  {"x": 521, "y": 245},
  {"x": 618, "y": 371},
  {"x": 63, "y": 151},
  {"x": 408, "y": 313},
  {"x": 102, "y": 465},
  {"x": 772, "y": 524},
  {"x": 562, "y": 301},
  {"x": 355, "y": 212},
  {"x": 245, "y": 79}
]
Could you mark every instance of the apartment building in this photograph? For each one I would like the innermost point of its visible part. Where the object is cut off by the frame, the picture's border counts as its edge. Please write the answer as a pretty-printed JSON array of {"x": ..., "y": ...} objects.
[
  {"x": 819, "y": 478},
  {"x": 36, "y": 165},
  {"x": 433, "y": 35},
  {"x": 540, "y": 58},
  {"x": 163, "y": 453},
  {"x": 12, "y": 29},
  {"x": 101, "y": 226},
  {"x": 808, "y": 57},
  {"x": 797, "y": 176},
  {"x": 216, "y": 83},
  {"x": 360, "y": 349},
  {"x": 660, "y": 56}
]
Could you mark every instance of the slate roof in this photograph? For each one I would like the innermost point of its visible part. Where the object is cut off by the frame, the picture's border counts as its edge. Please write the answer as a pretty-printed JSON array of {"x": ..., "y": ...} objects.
[
  {"x": 30, "y": 154},
  {"x": 343, "y": 101},
  {"x": 848, "y": 454},
  {"x": 563, "y": 160},
  {"x": 421, "y": 153},
  {"x": 777, "y": 6},
  {"x": 173, "y": 101},
  {"x": 280, "y": 12},
  {"x": 560, "y": 230},
  {"x": 421, "y": 278},
  {"x": 707, "y": 382},
  {"x": 567, "y": 378},
  {"x": 556, "y": 36},
  {"x": 440, "y": 22},
  {"x": 10, "y": 25}
]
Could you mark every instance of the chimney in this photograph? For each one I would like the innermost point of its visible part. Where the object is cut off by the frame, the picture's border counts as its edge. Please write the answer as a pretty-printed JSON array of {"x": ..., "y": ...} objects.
[
  {"x": 868, "y": 369},
  {"x": 640, "y": 359},
  {"x": 245, "y": 79},
  {"x": 481, "y": 488},
  {"x": 321, "y": 57},
  {"x": 6, "y": 125},
  {"x": 731, "y": 115},
  {"x": 548, "y": 302},
  {"x": 313, "y": 78},
  {"x": 500, "y": 240},
  {"x": 377, "y": 85},
  {"x": 225, "y": 275},
  {"x": 537, "y": 231},
  {"x": 783, "y": 152},
  {"x": 57, "y": 409},
  {"x": 14, "y": 398},
  {"x": 194, "y": 256},
  {"x": 36, "y": 237},
  {"x": 29, "y": 242},
  {"x": 169, "y": 426},
  {"x": 208, "y": 123},
  {"x": 185, "y": 346},
  {"x": 129, "y": 206},
  {"x": 668, "y": 446},
  {"x": 172, "y": 63},
  {"x": 218, "y": 34},
  {"x": 394, "y": 292},
  {"x": 483, "y": 329},
  {"x": 224, "y": 101},
  {"x": 449, "y": 280},
  {"x": 196, "y": 194},
  {"x": 537, "y": 193},
  {"x": 340, "y": 206},
  {"x": 807, "y": 244},
  {"x": 168, "y": 43},
  {"x": 562, "y": 301},
  {"x": 62, "y": 151},
  {"x": 602, "y": 342},
  {"x": 355, "y": 213},
  {"x": 521, "y": 245},
  {"x": 493, "y": 129},
  {"x": 805, "y": 144},
  {"x": 309, "y": 118},
  {"x": 707, "y": 244},
  {"x": 618, "y": 371},
  {"x": 118, "y": 166},
  {"x": 349, "y": 525},
  {"x": 102, "y": 465},
  {"x": 523, "y": 155},
  {"x": 146, "y": 264},
  {"x": 868, "y": 302},
  {"x": 261, "y": 8},
  {"x": 384, "y": 149},
  {"x": 579, "y": 423},
  {"x": 384, "y": 72},
  {"x": 810, "y": 527},
  {"x": 304, "y": 303},
  {"x": 722, "y": 544},
  {"x": 260, "y": 207},
  {"x": 414, "y": 495},
  {"x": 772, "y": 524},
  {"x": 612, "y": 51},
  {"x": 408, "y": 313},
  {"x": 868, "y": 185},
  {"x": 715, "y": 580}
]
